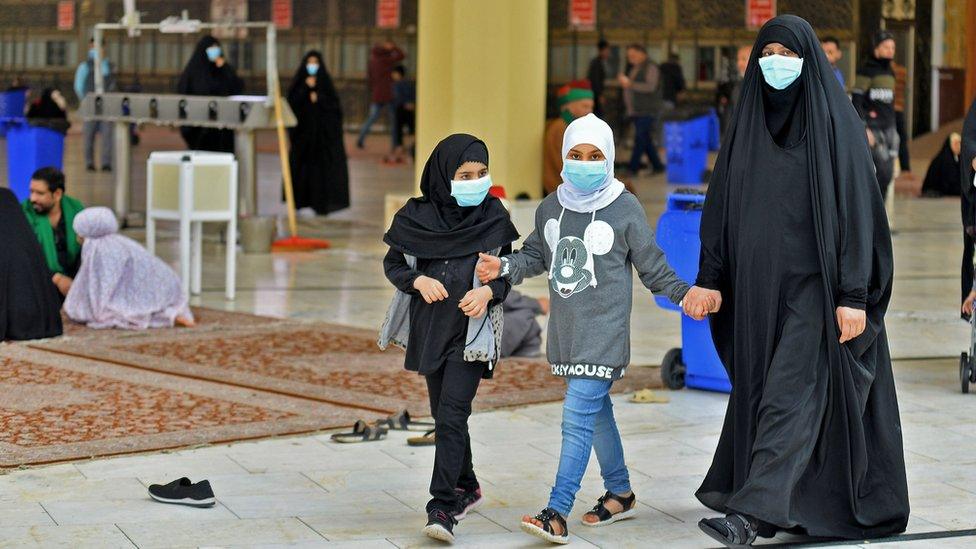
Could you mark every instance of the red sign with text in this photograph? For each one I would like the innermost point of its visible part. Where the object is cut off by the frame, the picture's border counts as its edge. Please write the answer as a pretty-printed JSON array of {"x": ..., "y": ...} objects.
[
  {"x": 66, "y": 15},
  {"x": 759, "y": 11},
  {"x": 388, "y": 14},
  {"x": 281, "y": 13},
  {"x": 582, "y": 14}
]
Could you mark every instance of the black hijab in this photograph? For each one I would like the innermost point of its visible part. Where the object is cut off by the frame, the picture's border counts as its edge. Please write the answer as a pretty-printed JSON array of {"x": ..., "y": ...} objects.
[
  {"x": 784, "y": 118},
  {"x": 434, "y": 226},
  {"x": 203, "y": 77},
  {"x": 323, "y": 81},
  {"x": 30, "y": 307},
  {"x": 849, "y": 218},
  {"x": 943, "y": 175}
]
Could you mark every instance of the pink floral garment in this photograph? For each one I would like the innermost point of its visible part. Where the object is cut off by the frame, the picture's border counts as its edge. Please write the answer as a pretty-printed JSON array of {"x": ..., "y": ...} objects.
[{"x": 119, "y": 284}]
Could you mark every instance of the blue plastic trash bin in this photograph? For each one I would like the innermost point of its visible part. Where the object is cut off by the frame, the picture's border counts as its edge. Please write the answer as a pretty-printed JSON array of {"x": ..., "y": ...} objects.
[
  {"x": 687, "y": 143},
  {"x": 28, "y": 149},
  {"x": 696, "y": 364},
  {"x": 11, "y": 107}
]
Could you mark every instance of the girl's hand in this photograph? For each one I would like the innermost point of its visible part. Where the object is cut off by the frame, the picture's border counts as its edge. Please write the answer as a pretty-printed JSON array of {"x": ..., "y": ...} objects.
[
  {"x": 475, "y": 302},
  {"x": 430, "y": 289},
  {"x": 489, "y": 268},
  {"x": 967, "y": 306}
]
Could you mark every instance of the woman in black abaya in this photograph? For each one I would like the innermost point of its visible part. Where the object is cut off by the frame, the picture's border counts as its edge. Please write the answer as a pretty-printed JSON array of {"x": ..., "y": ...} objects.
[
  {"x": 30, "y": 306},
  {"x": 208, "y": 73},
  {"x": 794, "y": 236},
  {"x": 318, "y": 155}
]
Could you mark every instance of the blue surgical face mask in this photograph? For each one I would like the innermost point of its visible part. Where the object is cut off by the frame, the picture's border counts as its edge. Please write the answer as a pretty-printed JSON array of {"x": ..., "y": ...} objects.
[
  {"x": 471, "y": 193},
  {"x": 213, "y": 52},
  {"x": 312, "y": 69},
  {"x": 91, "y": 54},
  {"x": 585, "y": 175},
  {"x": 779, "y": 70}
]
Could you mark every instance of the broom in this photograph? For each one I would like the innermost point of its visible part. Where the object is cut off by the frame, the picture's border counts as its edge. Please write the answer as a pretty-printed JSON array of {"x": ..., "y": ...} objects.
[{"x": 294, "y": 242}]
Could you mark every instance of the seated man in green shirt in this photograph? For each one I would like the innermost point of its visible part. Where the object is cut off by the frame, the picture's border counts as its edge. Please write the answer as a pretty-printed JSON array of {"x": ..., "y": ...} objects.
[{"x": 50, "y": 212}]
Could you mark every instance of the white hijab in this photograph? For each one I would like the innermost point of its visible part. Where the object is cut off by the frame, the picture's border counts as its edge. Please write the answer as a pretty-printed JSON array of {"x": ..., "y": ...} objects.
[{"x": 589, "y": 130}]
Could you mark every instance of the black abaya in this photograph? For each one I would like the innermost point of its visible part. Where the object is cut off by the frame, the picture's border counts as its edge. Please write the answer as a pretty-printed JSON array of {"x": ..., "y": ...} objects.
[
  {"x": 319, "y": 172},
  {"x": 30, "y": 306},
  {"x": 968, "y": 197},
  {"x": 812, "y": 437},
  {"x": 943, "y": 175},
  {"x": 203, "y": 77}
]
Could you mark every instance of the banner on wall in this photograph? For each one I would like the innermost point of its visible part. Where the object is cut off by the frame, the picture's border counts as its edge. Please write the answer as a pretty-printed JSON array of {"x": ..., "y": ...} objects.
[
  {"x": 388, "y": 14},
  {"x": 582, "y": 14},
  {"x": 229, "y": 11},
  {"x": 758, "y": 12},
  {"x": 66, "y": 15},
  {"x": 281, "y": 13}
]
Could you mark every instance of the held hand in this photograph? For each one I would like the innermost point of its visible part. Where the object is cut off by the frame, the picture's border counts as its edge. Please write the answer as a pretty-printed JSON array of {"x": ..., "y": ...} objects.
[
  {"x": 699, "y": 302},
  {"x": 851, "y": 323},
  {"x": 489, "y": 268},
  {"x": 544, "y": 305},
  {"x": 430, "y": 289},
  {"x": 967, "y": 306},
  {"x": 475, "y": 302}
]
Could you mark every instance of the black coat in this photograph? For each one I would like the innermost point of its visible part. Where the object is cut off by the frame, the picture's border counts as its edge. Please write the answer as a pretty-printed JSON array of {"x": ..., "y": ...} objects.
[{"x": 203, "y": 77}]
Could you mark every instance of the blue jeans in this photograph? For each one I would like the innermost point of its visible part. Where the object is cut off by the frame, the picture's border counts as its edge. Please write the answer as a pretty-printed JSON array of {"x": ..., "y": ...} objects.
[
  {"x": 588, "y": 422},
  {"x": 644, "y": 144},
  {"x": 374, "y": 113}
]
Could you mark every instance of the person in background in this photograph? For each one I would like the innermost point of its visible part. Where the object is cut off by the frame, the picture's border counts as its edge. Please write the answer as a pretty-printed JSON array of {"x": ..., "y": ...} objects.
[
  {"x": 643, "y": 96},
  {"x": 30, "y": 307},
  {"x": 209, "y": 73},
  {"x": 597, "y": 75},
  {"x": 404, "y": 112},
  {"x": 50, "y": 111},
  {"x": 873, "y": 97},
  {"x": 672, "y": 80},
  {"x": 120, "y": 284},
  {"x": 904, "y": 156},
  {"x": 729, "y": 93},
  {"x": 944, "y": 176},
  {"x": 85, "y": 84},
  {"x": 523, "y": 334},
  {"x": 831, "y": 48},
  {"x": 967, "y": 165},
  {"x": 50, "y": 213},
  {"x": 576, "y": 99},
  {"x": 379, "y": 74},
  {"x": 318, "y": 155}
]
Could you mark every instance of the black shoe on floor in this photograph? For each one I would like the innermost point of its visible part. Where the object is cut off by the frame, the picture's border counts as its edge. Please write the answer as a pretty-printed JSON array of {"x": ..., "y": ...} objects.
[
  {"x": 440, "y": 526},
  {"x": 106, "y": 168},
  {"x": 468, "y": 500},
  {"x": 91, "y": 168},
  {"x": 184, "y": 492},
  {"x": 732, "y": 530}
]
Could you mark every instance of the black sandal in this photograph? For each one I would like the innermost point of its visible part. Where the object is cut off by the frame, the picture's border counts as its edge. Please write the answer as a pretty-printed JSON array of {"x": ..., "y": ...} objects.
[
  {"x": 732, "y": 530},
  {"x": 362, "y": 432},
  {"x": 629, "y": 505},
  {"x": 546, "y": 532},
  {"x": 401, "y": 421}
]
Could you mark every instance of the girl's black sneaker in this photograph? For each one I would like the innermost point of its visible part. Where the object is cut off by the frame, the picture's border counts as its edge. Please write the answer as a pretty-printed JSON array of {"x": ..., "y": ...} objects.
[
  {"x": 467, "y": 501},
  {"x": 440, "y": 526}
]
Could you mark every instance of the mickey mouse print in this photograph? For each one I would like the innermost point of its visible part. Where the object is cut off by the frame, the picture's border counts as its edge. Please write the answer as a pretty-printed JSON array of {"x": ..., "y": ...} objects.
[{"x": 572, "y": 269}]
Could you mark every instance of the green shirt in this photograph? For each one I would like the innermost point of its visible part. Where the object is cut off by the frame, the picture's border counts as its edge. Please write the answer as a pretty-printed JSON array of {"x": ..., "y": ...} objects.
[{"x": 45, "y": 232}]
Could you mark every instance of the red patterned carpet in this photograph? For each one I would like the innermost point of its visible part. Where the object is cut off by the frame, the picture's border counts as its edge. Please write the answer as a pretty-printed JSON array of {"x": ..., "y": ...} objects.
[{"x": 234, "y": 376}]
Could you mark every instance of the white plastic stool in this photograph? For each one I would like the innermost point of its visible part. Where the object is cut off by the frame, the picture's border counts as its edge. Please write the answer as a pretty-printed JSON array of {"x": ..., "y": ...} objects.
[{"x": 193, "y": 187}]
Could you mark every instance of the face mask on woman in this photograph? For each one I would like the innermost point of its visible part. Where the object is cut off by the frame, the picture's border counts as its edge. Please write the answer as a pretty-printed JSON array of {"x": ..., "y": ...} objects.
[
  {"x": 472, "y": 192},
  {"x": 779, "y": 70},
  {"x": 213, "y": 52},
  {"x": 585, "y": 175},
  {"x": 312, "y": 69}
]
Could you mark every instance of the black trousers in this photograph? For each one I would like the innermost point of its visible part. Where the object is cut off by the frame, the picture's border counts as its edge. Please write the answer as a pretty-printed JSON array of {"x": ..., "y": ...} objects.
[
  {"x": 967, "y": 265},
  {"x": 451, "y": 390},
  {"x": 904, "y": 158}
]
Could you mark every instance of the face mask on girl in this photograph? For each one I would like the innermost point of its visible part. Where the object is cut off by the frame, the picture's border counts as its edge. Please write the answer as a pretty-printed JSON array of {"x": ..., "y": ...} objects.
[
  {"x": 779, "y": 70},
  {"x": 471, "y": 193},
  {"x": 213, "y": 52},
  {"x": 312, "y": 69},
  {"x": 585, "y": 176}
]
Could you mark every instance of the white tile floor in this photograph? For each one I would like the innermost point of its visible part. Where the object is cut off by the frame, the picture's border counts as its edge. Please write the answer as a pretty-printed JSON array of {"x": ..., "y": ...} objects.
[{"x": 308, "y": 492}]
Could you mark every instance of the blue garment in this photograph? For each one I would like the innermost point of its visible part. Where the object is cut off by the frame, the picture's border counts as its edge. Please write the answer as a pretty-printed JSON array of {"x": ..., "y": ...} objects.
[
  {"x": 82, "y": 75},
  {"x": 644, "y": 144},
  {"x": 840, "y": 77},
  {"x": 588, "y": 422},
  {"x": 404, "y": 92},
  {"x": 374, "y": 114}
]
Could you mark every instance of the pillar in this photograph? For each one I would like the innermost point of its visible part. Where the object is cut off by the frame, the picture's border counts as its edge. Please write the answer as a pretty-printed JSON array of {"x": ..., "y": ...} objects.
[{"x": 481, "y": 69}]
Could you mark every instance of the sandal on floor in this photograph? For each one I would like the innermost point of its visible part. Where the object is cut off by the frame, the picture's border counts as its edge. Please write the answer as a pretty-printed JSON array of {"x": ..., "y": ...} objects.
[
  {"x": 546, "y": 517},
  {"x": 362, "y": 432},
  {"x": 401, "y": 421},
  {"x": 647, "y": 396},
  {"x": 426, "y": 440},
  {"x": 732, "y": 530},
  {"x": 606, "y": 517}
]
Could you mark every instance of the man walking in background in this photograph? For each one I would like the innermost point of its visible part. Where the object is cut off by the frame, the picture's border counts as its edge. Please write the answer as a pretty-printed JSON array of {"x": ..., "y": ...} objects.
[
  {"x": 597, "y": 75},
  {"x": 644, "y": 99},
  {"x": 873, "y": 97},
  {"x": 384, "y": 58}
]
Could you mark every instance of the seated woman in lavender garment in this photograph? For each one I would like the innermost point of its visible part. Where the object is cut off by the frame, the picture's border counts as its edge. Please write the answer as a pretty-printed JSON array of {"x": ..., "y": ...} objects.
[{"x": 120, "y": 284}]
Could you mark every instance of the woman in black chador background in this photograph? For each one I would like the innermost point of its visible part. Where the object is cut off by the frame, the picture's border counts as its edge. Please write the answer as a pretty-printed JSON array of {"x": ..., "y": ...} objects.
[
  {"x": 209, "y": 73},
  {"x": 794, "y": 236},
  {"x": 318, "y": 155}
]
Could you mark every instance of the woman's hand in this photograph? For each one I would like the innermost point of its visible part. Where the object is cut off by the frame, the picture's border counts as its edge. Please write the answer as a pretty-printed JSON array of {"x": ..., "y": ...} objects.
[
  {"x": 851, "y": 323},
  {"x": 475, "y": 302},
  {"x": 489, "y": 268},
  {"x": 698, "y": 302},
  {"x": 967, "y": 306},
  {"x": 430, "y": 289}
]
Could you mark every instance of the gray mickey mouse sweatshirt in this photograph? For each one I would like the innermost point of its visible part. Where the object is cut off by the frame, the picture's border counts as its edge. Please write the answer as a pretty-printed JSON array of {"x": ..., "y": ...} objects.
[{"x": 588, "y": 259}]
